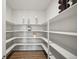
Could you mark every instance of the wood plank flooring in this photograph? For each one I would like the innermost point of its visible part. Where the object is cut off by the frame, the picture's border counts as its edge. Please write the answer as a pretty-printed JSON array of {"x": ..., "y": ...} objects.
[{"x": 27, "y": 55}]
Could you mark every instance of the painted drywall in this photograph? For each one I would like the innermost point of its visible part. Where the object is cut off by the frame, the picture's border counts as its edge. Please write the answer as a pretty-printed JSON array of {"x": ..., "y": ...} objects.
[
  {"x": 8, "y": 13},
  {"x": 52, "y": 9},
  {"x": 28, "y": 4},
  {"x": 19, "y": 15}
]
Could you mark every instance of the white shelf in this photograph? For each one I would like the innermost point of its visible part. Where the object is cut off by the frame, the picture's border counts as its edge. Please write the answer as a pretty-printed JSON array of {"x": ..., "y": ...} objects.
[
  {"x": 39, "y": 31},
  {"x": 52, "y": 57},
  {"x": 28, "y": 43},
  {"x": 9, "y": 49},
  {"x": 30, "y": 24},
  {"x": 64, "y": 33},
  {"x": 17, "y": 31},
  {"x": 61, "y": 50},
  {"x": 27, "y": 37},
  {"x": 45, "y": 39},
  {"x": 9, "y": 31},
  {"x": 13, "y": 38},
  {"x": 46, "y": 49},
  {"x": 9, "y": 21},
  {"x": 27, "y": 31},
  {"x": 10, "y": 39}
]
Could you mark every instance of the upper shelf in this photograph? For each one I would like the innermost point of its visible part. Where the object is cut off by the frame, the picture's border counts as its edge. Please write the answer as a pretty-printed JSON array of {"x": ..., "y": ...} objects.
[
  {"x": 29, "y": 24},
  {"x": 64, "y": 33},
  {"x": 8, "y": 21},
  {"x": 22, "y": 24},
  {"x": 27, "y": 31}
]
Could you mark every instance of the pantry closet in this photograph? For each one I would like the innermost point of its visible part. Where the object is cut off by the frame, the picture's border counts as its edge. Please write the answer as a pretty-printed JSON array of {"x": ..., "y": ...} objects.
[{"x": 34, "y": 34}]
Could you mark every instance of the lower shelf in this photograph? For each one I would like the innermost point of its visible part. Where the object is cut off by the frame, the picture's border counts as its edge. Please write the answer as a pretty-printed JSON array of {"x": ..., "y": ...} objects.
[
  {"x": 58, "y": 48},
  {"x": 9, "y": 49},
  {"x": 43, "y": 46}
]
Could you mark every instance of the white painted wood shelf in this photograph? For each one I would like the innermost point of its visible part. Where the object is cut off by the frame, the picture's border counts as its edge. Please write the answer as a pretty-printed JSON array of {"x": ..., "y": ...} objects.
[
  {"x": 9, "y": 21},
  {"x": 10, "y": 48},
  {"x": 64, "y": 33},
  {"x": 30, "y": 24},
  {"x": 8, "y": 40},
  {"x": 13, "y": 38},
  {"x": 26, "y": 31},
  {"x": 66, "y": 54}
]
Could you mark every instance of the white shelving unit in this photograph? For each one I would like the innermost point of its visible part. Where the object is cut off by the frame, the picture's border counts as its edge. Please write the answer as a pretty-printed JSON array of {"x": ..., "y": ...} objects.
[
  {"x": 66, "y": 54},
  {"x": 20, "y": 44},
  {"x": 68, "y": 13}
]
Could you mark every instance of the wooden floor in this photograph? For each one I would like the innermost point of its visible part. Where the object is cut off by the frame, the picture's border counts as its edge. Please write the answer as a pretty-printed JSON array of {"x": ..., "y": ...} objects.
[{"x": 28, "y": 55}]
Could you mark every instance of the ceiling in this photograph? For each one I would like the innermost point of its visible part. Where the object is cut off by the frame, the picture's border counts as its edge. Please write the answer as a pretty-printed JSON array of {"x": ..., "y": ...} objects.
[{"x": 29, "y": 4}]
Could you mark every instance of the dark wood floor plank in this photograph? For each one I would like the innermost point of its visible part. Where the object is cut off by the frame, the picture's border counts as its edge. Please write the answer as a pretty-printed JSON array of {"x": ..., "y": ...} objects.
[{"x": 27, "y": 55}]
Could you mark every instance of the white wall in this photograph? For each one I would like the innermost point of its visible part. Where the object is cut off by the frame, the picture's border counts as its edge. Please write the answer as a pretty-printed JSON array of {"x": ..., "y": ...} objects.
[
  {"x": 3, "y": 28},
  {"x": 18, "y": 16},
  {"x": 8, "y": 13},
  {"x": 52, "y": 9}
]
